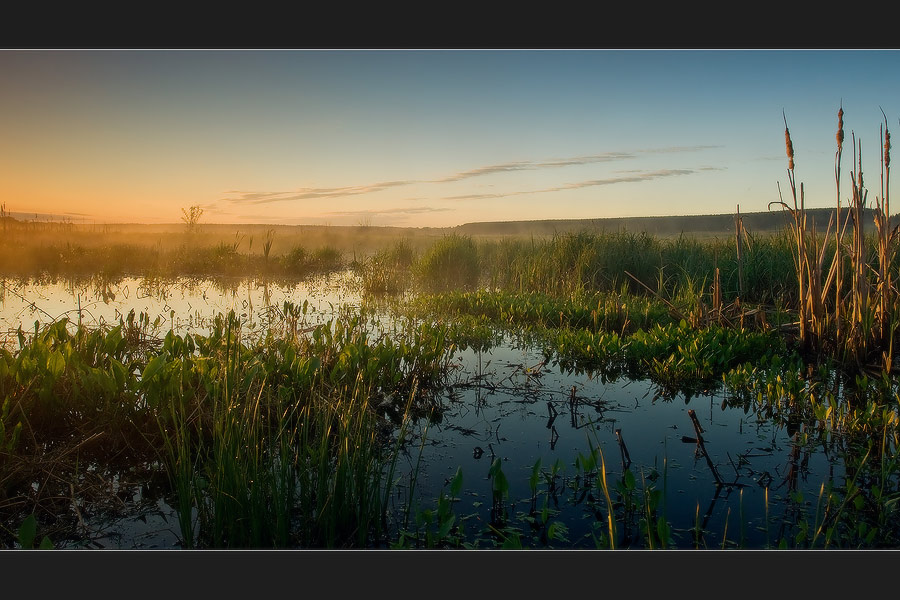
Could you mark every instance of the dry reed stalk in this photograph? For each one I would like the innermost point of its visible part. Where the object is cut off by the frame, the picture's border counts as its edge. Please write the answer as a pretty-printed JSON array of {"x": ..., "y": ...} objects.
[
  {"x": 882, "y": 239},
  {"x": 798, "y": 229},
  {"x": 739, "y": 235},
  {"x": 886, "y": 237},
  {"x": 809, "y": 257},
  {"x": 717, "y": 297},
  {"x": 831, "y": 278},
  {"x": 815, "y": 306},
  {"x": 672, "y": 309},
  {"x": 838, "y": 259},
  {"x": 858, "y": 337}
]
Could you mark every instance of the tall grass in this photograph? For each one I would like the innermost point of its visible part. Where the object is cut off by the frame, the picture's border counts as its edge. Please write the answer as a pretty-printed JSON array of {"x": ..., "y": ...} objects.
[
  {"x": 857, "y": 321},
  {"x": 281, "y": 443},
  {"x": 388, "y": 271},
  {"x": 450, "y": 263}
]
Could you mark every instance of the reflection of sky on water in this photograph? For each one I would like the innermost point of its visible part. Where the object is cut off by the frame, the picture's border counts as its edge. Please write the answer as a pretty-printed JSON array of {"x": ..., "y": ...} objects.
[
  {"x": 187, "y": 305},
  {"x": 506, "y": 403},
  {"x": 509, "y": 416}
]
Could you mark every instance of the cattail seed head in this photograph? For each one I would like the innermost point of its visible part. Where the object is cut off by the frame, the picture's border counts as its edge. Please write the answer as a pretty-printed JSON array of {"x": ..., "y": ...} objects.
[
  {"x": 840, "y": 131},
  {"x": 789, "y": 148},
  {"x": 887, "y": 149}
]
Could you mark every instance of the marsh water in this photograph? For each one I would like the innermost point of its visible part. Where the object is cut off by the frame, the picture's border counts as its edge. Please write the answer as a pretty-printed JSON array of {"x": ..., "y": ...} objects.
[{"x": 510, "y": 402}]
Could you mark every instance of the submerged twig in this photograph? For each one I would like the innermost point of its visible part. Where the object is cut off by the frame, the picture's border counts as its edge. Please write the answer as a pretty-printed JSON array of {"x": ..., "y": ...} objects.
[
  {"x": 701, "y": 446},
  {"x": 626, "y": 459}
]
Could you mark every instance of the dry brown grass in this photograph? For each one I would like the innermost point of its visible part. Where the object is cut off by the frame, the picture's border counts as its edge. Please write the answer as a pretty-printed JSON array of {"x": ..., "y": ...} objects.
[{"x": 858, "y": 321}]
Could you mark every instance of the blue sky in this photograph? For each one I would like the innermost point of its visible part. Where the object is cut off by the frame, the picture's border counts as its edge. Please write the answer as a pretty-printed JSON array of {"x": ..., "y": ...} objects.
[{"x": 430, "y": 137}]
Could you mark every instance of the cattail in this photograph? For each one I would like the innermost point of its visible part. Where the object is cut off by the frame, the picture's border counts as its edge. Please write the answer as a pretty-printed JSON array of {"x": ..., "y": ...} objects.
[
  {"x": 790, "y": 149},
  {"x": 840, "y": 131},
  {"x": 788, "y": 145},
  {"x": 887, "y": 148}
]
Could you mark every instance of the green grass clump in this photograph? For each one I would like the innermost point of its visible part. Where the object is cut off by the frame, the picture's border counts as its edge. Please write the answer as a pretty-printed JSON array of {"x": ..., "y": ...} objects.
[
  {"x": 388, "y": 271},
  {"x": 597, "y": 312},
  {"x": 450, "y": 263}
]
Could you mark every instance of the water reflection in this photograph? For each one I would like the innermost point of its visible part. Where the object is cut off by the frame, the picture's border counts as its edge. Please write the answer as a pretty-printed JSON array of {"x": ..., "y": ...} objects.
[{"x": 183, "y": 305}]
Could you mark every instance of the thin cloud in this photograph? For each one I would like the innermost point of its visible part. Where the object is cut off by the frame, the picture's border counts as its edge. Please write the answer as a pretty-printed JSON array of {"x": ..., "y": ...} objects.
[
  {"x": 262, "y": 197},
  {"x": 488, "y": 196},
  {"x": 311, "y": 193},
  {"x": 566, "y": 162},
  {"x": 637, "y": 177},
  {"x": 627, "y": 179},
  {"x": 534, "y": 165},
  {"x": 677, "y": 149},
  {"x": 416, "y": 210}
]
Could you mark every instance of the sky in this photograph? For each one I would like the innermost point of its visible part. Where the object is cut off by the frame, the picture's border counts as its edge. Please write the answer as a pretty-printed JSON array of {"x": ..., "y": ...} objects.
[{"x": 432, "y": 138}]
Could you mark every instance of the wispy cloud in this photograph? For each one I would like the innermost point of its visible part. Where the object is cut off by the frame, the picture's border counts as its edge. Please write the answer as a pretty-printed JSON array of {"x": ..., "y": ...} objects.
[
  {"x": 311, "y": 193},
  {"x": 415, "y": 210},
  {"x": 679, "y": 149},
  {"x": 637, "y": 176},
  {"x": 565, "y": 162},
  {"x": 263, "y": 197},
  {"x": 534, "y": 165}
]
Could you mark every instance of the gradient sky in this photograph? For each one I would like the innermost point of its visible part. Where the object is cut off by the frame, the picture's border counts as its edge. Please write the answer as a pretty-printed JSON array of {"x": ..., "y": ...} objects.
[{"x": 430, "y": 138}]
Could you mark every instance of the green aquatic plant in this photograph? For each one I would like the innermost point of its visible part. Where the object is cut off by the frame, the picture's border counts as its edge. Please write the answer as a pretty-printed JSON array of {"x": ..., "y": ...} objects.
[
  {"x": 286, "y": 427},
  {"x": 28, "y": 535}
]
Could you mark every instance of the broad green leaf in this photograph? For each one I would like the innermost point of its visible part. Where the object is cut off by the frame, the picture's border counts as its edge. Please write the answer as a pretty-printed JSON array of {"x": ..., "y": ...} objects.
[
  {"x": 112, "y": 342},
  {"x": 56, "y": 363},
  {"x": 535, "y": 474},
  {"x": 513, "y": 542},
  {"x": 446, "y": 526},
  {"x": 662, "y": 528},
  {"x": 456, "y": 483},
  {"x": 153, "y": 367},
  {"x": 27, "y": 532}
]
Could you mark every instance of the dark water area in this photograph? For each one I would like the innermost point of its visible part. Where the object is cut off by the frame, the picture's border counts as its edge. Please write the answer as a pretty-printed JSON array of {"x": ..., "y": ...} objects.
[{"x": 516, "y": 407}]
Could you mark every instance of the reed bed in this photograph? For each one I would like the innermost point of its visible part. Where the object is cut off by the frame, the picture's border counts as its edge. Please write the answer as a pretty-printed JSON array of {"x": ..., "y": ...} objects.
[{"x": 848, "y": 305}]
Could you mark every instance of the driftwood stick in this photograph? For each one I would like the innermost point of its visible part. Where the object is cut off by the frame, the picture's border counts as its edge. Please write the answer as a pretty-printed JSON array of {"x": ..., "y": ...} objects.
[
  {"x": 573, "y": 408},
  {"x": 791, "y": 477},
  {"x": 551, "y": 412},
  {"x": 702, "y": 446},
  {"x": 626, "y": 459},
  {"x": 697, "y": 427}
]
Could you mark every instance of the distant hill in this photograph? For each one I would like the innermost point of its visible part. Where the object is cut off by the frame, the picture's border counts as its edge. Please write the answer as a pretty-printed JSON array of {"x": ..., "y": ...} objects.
[
  {"x": 711, "y": 225},
  {"x": 716, "y": 225}
]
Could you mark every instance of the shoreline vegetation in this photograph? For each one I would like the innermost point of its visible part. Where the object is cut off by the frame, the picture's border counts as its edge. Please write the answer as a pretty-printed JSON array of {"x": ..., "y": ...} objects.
[
  {"x": 36, "y": 247},
  {"x": 741, "y": 278},
  {"x": 796, "y": 313}
]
